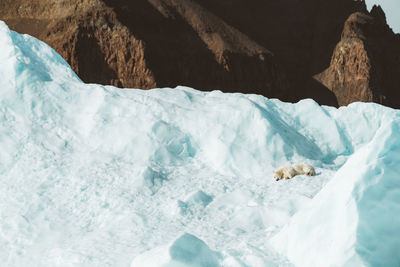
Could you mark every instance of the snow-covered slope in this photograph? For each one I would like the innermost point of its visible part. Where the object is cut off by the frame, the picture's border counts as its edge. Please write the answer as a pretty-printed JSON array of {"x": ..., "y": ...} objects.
[
  {"x": 93, "y": 175},
  {"x": 355, "y": 219}
]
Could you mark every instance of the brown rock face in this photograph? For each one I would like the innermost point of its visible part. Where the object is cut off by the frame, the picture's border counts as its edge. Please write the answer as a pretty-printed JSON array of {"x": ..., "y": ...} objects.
[
  {"x": 365, "y": 65},
  {"x": 301, "y": 33},
  {"x": 89, "y": 37},
  {"x": 149, "y": 43},
  {"x": 225, "y": 45}
]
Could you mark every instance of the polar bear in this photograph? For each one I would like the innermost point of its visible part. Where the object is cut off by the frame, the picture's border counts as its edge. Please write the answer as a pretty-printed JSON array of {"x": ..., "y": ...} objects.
[{"x": 288, "y": 172}]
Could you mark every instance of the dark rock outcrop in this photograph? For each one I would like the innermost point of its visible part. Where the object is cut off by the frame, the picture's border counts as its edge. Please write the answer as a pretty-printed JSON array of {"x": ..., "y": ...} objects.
[
  {"x": 274, "y": 48},
  {"x": 89, "y": 37},
  {"x": 301, "y": 33},
  {"x": 149, "y": 43},
  {"x": 365, "y": 65}
]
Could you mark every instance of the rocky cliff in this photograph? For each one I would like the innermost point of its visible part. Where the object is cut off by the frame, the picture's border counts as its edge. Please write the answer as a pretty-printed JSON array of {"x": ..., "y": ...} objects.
[
  {"x": 302, "y": 35},
  {"x": 88, "y": 35},
  {"x": 147, "y": 44},
  {"x": 273, "y": 48},
  {"x": 365, "y": 65}
]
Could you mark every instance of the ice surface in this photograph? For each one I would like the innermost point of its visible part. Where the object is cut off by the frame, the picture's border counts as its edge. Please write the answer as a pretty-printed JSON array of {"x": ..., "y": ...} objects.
[
  {"x": 354, "y": 220},
  {"x": 187, "y": 250},
  {"x": 93, "y": 175}
]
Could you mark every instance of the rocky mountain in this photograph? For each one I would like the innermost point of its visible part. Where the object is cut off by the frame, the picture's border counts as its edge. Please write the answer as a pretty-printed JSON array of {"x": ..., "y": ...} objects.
[
  {"x": 274, "y": 48},
  {"x": 147, "y": 44},
  {"x": 365, "y": 65}
]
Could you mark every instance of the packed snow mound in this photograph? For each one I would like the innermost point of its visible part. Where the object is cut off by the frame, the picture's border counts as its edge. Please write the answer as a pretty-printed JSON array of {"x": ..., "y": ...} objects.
[
  {"x": 354, "y": 220},
  {"x": 186, "y": 251},
  {"x": 93, "y": 175}
]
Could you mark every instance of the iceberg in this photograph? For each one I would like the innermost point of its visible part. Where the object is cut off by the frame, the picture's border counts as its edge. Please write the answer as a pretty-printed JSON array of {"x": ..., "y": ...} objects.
[
  {"x": 93, "y": 175},
  {"x": 354, "y": 220}
]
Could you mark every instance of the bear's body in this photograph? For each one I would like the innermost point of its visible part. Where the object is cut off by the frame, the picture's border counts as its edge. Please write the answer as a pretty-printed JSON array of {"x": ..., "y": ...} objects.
[{"x": 288, "y": 172}]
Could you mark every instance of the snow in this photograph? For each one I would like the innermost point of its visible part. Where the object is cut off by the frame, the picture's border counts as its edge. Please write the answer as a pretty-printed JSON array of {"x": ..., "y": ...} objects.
[
  {"x": 187, "y": 250},
  {"x": 355, "y": 218},
  {"x": 93, "y": 175}
]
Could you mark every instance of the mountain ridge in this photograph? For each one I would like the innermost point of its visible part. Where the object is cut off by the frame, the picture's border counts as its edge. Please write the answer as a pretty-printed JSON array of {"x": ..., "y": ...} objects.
[{"x": 279, "y": 49}]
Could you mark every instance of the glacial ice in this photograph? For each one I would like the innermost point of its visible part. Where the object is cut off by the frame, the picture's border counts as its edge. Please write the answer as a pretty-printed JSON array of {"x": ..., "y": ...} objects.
[
  {"x": 187, "y": 250},
  {"x": 93, "y": 175},
  {"x": 360, "y": 211}
]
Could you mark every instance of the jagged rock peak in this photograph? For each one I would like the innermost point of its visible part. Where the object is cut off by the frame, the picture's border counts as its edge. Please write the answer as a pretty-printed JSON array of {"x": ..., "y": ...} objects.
[
  {"x": 366, "y": 62},
  {"x": 378, "y": 13},
  {"x": 273, "y": 48}
]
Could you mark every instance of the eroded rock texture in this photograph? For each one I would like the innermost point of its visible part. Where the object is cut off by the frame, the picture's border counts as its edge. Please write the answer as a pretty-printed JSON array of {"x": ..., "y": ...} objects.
[
  {"x": 273, "y": 48},
  {"x": 365, "y": 65},
  {"x": 149, "y": 43}
]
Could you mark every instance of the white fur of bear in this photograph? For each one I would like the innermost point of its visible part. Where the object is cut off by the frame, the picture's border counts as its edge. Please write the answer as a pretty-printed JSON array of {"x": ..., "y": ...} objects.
[{"x": 288, "y": 172}]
